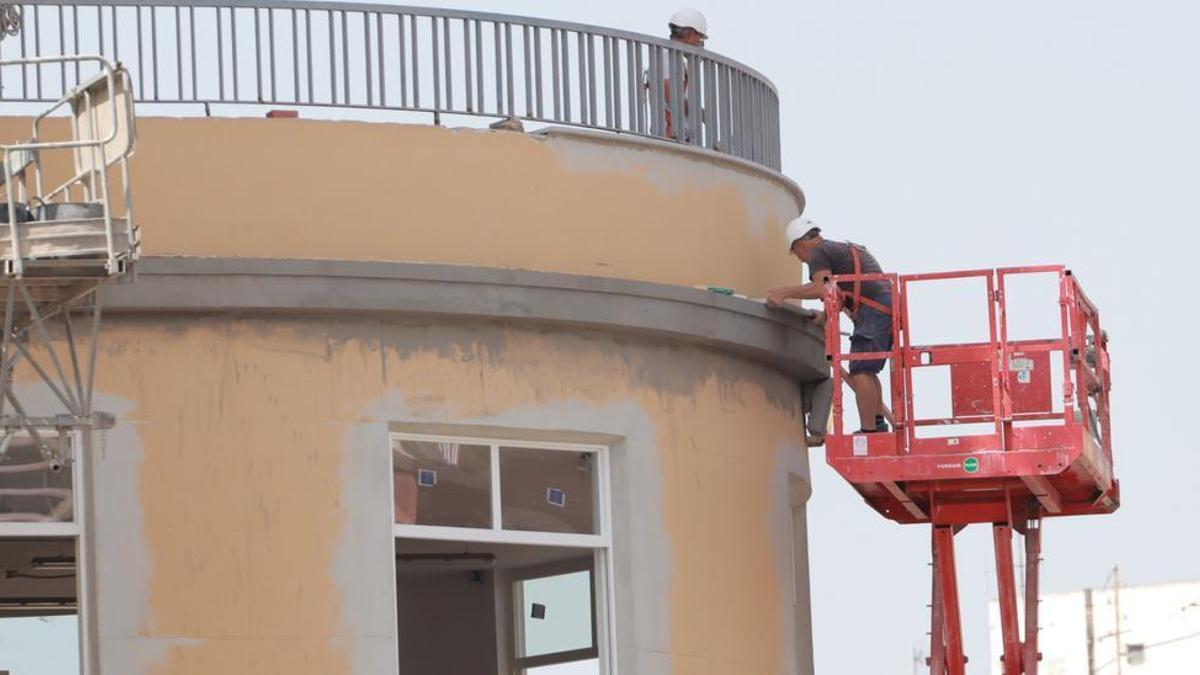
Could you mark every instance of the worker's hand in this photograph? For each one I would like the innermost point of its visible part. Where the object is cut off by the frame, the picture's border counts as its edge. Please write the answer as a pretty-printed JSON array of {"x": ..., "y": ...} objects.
[
  {"x": 819, "y": 318},
  {"x": 776, "y": 297}
]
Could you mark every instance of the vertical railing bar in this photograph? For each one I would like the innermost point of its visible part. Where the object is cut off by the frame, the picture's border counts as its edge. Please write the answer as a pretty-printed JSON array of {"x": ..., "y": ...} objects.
[
  {"x": 761, "y": 129},
  {"x": 367, "y": 57},
  {"x": 220, "y": 55},
  {"x": 678, "y": 119},
  {"x": 295, "y": 56},
  {"x": 100, "y": 27},
  {"x": 554, "y": 73},
  {"x": 449, "y": 64},
  {"x": 581, "y": 41},
  {"x": 508, "y": 60},
  {"x": 403, "y": 59},
  {"x": 192, "y": 49},
  {"x": 62, "y": 47},
  {"x": 141, "y": 69},
  {"x": 258, "y": 83},
  {"x": 537, "y": 70},
  {"x": 308, "y": 52},
  {"x": 37, "y": 45},
  {"x": 24, "y": 38},
  {"x": 345, "y": 57},
  {"x": 694, "y": 83},
  {"x": 707, "y": 105},
  {"x": 115, "y": 37},
  {"x": 528, "y": 70},
  {"x": 726, "y": 137},
  {"x": 233, "y": 44},
  {"x": 382, "y": 60},
  {"x": 612, "y": 94},
  {"x": 636, "y": 87},
  {"x": 499, "y": 68},
  {"x": 469, "y": 85},
  {"x": 271, "y": 46},
  {"x": 592, "y": 72},
  {"x": 481, "y": 104},
  {"x": 416, "y": 73},
  {"x": 654, "y": 90},
  {"x": 154, "y": 47},
  {"x": 179, "y": 55},
  {"x": 332, "y": 58},
  {"x": 75, "y": 35},
  {"x": 437, "y": 62},
  {"x": 565, "y": 43}
]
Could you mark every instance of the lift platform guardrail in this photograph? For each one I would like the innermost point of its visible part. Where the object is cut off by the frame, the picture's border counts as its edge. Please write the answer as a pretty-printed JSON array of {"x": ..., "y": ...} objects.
[{"x": 1006, "y": 456}]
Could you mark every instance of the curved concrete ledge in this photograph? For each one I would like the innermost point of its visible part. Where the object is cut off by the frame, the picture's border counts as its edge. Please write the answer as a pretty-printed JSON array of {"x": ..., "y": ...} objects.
[{"x": 780, "y": 338}]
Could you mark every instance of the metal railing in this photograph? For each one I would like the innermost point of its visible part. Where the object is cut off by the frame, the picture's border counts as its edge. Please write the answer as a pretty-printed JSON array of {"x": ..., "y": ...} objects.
[{"x": 443, "y": 62}]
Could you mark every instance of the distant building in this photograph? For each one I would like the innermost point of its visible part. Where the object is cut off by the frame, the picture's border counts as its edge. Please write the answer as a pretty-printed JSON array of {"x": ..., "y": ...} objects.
[{"x": 1159, "y": 631}]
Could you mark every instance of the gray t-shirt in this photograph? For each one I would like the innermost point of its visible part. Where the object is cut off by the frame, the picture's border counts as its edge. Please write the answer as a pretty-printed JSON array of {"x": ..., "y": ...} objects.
[{"x": 835, "y": 257}]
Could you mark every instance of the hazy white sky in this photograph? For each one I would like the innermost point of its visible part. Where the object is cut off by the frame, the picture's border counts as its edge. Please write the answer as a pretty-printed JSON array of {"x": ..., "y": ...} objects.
[{"x": 951, "y": 134}]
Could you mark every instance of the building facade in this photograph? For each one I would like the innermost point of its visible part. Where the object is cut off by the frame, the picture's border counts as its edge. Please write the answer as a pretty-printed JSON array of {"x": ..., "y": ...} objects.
[{"x": 404, "y": 398}]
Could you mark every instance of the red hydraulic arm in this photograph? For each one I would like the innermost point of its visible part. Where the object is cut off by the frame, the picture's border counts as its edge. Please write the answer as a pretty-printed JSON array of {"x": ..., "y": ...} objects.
[{"x": 1006, "y": 456}]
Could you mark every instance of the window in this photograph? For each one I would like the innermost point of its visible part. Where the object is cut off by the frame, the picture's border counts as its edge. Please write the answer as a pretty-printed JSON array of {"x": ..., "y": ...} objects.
[
  {"x": 39, "y": 543},
  {"x": 502, "y": 556},
  {"x": 556, "y": 623}
]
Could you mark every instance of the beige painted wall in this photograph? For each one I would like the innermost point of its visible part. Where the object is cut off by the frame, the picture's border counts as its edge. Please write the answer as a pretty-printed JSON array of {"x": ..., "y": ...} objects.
[
  {"x": 242, "y": 435},
  {"x": 314, "y": 189}
]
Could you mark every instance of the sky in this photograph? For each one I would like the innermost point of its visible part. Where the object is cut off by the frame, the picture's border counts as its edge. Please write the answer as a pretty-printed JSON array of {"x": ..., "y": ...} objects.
[{"x": 951, "y": 134}]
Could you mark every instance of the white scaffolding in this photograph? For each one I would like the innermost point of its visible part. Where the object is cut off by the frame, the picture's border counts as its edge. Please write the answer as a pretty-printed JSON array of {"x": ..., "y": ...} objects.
[{"x": 66, "y": 230}]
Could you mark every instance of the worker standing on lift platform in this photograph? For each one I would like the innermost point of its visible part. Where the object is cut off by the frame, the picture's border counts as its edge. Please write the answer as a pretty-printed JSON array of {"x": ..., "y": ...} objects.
[{"x": 869, "y": 304}]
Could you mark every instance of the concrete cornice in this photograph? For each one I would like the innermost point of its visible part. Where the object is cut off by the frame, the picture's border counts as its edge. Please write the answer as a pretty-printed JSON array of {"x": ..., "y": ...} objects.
[{"x": 780, "y": 338}]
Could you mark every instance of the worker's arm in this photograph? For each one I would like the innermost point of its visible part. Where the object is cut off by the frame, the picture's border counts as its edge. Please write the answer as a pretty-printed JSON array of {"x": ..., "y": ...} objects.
[{"x": 813, "y": 290}]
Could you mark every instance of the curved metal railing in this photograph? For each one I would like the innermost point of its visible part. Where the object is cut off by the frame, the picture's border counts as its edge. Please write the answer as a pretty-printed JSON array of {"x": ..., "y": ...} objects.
[{"x": 443, "y": 62}]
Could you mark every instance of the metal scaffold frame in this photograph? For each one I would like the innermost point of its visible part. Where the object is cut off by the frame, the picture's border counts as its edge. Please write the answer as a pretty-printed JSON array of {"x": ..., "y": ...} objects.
[{"x": 62, "y": 239}]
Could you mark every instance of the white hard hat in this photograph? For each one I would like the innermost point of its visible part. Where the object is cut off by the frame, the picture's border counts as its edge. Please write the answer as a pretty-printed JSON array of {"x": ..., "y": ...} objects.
[
  {"x": 690, "y": 18},
  {"x": 799, "y": 227}
]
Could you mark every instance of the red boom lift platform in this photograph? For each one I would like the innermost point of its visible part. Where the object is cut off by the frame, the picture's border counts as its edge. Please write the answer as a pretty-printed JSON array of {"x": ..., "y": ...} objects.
[{"x": 1030, "y": 460}]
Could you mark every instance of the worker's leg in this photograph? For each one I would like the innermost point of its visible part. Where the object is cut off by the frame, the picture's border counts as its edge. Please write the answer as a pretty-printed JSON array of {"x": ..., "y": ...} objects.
[
  {"x": 866, "y": 395},
  {"x": 872, "y": 334}
]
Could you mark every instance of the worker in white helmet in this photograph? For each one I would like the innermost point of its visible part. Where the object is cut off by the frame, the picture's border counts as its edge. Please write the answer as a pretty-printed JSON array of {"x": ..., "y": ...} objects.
[
  {"x": 688, "y": 26},
  {"x": 869, "y": 304}
]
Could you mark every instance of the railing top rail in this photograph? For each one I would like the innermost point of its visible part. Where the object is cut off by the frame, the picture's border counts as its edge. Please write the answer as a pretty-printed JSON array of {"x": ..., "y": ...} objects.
[
  {"x": 416, "y": 10},
  {"x": 355, "y": 55}
]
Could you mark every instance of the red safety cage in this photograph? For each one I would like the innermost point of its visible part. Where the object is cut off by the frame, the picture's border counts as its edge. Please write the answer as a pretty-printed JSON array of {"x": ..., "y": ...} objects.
[{"x": 1006, "y": 454}]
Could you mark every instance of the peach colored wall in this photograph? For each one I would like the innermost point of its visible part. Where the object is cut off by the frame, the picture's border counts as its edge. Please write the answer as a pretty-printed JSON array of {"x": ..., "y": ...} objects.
[
  {"x": 585, "y": 205},
  {"x": 241, "y": 427}
]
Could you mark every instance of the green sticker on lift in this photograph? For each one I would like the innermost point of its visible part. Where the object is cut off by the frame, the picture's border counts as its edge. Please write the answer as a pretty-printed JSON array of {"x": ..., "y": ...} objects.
[{"x": 971, "y": 465}]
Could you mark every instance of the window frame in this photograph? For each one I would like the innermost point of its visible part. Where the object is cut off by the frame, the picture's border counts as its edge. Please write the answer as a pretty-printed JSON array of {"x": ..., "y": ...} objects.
[
  {"x": 77, "y": 531},
  {"x": 600, "y": 543}
]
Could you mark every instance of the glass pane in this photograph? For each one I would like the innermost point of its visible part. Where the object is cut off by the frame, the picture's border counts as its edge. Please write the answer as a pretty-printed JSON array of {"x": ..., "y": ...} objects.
[
  {"x": 556, "y": 614},
  {"x": 29, "y": 491},
  {"x": 548, "y": 490},
  {"x": 46, "y": 645},
  {"x": 589, "y": 667},
  {"x": 38, "y": 627},
  {"x": 442, "y": 483}
]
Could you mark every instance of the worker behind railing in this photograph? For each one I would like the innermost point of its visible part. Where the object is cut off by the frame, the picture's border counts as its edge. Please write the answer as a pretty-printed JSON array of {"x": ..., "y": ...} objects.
[
  {"x": 688, "y": 26},
  {"x": 869, "y": 304}
]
